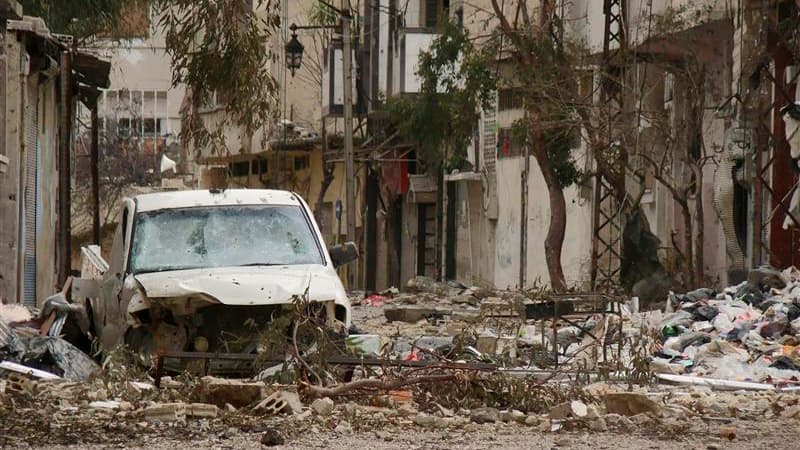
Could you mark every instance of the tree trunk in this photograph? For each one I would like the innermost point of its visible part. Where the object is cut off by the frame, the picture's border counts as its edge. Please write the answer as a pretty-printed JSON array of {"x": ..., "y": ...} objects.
[
  {"x": 327, "y": 176},
  {"x": 699, "y": 235},
  {"x": 327, "y": 179},
  {"x": 558, "y": 213},
  {"x": 688, "y": 242}
]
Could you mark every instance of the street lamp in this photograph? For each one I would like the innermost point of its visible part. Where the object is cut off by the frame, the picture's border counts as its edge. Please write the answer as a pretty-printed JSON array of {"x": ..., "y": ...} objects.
[
  {"x": 294, "y": 56},
  {"x": 294, "y": 52}
]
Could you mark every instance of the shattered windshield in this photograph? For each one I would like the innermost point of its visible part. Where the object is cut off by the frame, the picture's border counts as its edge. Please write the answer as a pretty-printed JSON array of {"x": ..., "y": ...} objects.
[{"x": 222, "y": 236}]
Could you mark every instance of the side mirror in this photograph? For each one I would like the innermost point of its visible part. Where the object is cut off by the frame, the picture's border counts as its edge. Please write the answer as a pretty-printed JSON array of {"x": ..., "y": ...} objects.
[{"x": 343, "y": 254}]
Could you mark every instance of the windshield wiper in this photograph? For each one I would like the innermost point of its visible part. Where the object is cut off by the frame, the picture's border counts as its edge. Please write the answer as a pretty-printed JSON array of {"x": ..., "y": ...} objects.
[{"x": 261, "y": 264}]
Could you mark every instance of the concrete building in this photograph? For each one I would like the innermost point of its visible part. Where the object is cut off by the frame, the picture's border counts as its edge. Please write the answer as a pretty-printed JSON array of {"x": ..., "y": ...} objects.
[
  {"x": 484, "y": 236},
  {"x": 303, "y": 145},
  {"x": 41, "y": 78}
]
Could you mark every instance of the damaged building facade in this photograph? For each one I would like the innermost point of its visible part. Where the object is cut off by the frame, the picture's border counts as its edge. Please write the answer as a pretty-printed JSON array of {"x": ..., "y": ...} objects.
[
  {"x": 41, "y": 79},
  {"x": 706, "y": 89}
]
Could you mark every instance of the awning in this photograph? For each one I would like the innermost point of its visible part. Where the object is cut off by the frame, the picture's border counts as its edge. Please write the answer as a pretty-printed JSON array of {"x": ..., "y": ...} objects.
[
  {"x": 422, "y": 189},
  {"x": 91, "y": 70}
]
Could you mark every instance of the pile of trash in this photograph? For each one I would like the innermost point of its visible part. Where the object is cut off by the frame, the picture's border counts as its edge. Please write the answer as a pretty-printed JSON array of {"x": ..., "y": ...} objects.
[
  {"x": 746, "y": 333},
  {"x": 33, "y": 343}
]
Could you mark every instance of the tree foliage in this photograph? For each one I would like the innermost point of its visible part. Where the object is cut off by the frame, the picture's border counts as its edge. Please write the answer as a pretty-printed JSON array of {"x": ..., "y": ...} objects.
[
  {"x": 219, "y": 48},
  {"x": 86, "y": 18},
  {"x": 455, "y": 83}
]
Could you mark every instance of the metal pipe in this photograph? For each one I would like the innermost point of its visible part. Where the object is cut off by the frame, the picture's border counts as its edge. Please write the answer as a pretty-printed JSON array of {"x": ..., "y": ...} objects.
[{"x": 95, "y": 177}]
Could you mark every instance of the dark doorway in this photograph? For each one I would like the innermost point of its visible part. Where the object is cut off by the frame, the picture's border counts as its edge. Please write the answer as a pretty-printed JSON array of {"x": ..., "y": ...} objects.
[
  {"x": 450, "y": 243},
  {"x": 372, "y": 231}
]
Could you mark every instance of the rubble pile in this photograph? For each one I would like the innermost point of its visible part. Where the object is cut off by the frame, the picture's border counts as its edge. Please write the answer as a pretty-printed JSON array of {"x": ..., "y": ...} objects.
[
  {"x": 474, "y": 360},
  {"x": 746, "y": 333}
]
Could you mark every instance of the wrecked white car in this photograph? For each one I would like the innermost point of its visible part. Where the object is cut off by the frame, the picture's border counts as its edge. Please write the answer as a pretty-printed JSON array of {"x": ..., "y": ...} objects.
[{"x": 203, "y": 271}]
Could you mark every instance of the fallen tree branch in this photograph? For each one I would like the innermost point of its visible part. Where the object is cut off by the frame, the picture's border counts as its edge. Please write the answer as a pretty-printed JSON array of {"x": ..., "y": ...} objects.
[{"x": 373, "y": 384}]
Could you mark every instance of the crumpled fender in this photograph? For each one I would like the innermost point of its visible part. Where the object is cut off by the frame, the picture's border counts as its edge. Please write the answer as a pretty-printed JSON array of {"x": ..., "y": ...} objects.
[{"x": 138, "y": 302}]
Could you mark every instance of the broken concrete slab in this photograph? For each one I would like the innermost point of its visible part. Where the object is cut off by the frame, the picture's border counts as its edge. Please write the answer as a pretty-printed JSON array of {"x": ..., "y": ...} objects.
[
  {"x": 239, "y": 393},
  {"x": 630, "y": 404},
  {"x": 280, "y": 402},
  {"x": 201, "y": 410},
  {"x": 165, "y": 412},
  {"x": 178, "y": 411}
]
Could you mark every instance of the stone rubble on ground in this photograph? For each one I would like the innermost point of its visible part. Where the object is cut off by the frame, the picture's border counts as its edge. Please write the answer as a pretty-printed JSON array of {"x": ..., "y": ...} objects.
[{"x": 749, "y": 333}]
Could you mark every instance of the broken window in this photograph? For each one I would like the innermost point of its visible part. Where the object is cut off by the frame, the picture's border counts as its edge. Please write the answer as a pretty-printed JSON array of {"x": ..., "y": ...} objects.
[
  {"x": 301, "y": 162},
  {"x": 222, "y": 236},
  {"x": 239, "y": 168},
  {"x": 507, "y": 146},
  {"x": 510, "y": 98}
]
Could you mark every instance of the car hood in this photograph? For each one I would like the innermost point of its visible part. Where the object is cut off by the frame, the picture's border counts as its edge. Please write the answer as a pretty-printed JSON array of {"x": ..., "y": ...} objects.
[{"x": 257, "y": 285}]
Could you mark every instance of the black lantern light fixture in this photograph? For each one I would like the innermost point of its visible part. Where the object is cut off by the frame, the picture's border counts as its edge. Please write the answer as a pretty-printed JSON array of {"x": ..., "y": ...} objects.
[{"x": 294, "y": 51}]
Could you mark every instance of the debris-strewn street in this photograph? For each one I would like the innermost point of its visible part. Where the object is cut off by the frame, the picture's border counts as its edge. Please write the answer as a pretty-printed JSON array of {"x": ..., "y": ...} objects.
[{"x": 717, "y": 372}]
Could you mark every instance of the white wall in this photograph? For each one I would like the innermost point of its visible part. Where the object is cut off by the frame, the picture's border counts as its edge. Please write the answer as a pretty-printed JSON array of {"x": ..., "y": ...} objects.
[
  {"x": 576, "y": 252},
  {"x": 415, "y": 43}
]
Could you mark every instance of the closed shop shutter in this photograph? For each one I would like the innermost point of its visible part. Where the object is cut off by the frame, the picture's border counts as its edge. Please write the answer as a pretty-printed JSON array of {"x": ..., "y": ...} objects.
[{"x": 29, "y": 232}]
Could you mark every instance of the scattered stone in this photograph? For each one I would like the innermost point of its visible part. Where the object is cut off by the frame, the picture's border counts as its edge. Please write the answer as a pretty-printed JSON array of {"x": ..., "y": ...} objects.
[
  {"x": 561, "y": 411},
  {"x": 272, "y": 437},
  {"x": 408, "y": 314},
  {"x": 322, "y": 406},
  {"x": 791, "y": 412},
  {"x": 467, "y": 299},
  {"x": 485, "y": 415},
  {"x": 579, "y": 409},
  {"x": 630, "y": 404},
  {"x": 386, "y": 436},
  {"x": 165, "y": 412},
  {"x": 238, "y": 393},
  {"x": 406, "y": 410},
  {"x": 343, "y": 427},
  {"x": 105, "y": 404},
  {"x": 512, "y": 416},
  {"x": 532, "y": 420},
  {"x": 598, "y": 424},
  {"x": 424, "y": 420},
  {"x": 230, "y": 408},
  {"x": 139, "y": 386},
  {"x": 597, "y": 389},
  {"x": 727, "y": 432}
]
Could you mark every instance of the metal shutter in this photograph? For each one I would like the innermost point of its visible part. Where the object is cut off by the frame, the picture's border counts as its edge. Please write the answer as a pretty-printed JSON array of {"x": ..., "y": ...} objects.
[
  {"x": 31, "y": 175},
  {"x": 490, "y": 201}
]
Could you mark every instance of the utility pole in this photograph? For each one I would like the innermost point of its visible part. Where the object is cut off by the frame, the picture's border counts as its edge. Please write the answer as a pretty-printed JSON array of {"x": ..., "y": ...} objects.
[
  {"x": 349, "y": 170},
  {"x": 348, "y": 127},
  {"x": 64, "y": 183}
]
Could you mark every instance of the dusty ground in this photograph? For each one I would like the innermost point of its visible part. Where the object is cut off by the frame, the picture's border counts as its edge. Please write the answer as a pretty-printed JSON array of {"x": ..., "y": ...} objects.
[
  {"x": 751, "y": 435},
  {"x": 689, "y": 419}
]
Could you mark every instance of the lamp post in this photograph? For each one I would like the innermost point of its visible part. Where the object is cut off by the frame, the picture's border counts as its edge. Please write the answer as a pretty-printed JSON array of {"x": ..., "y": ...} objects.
[{"x": 294, "y": 57}]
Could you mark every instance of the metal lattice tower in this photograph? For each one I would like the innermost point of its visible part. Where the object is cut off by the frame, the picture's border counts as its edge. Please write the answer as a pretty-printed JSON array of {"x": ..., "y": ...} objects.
[
  {"x": 607, "y": 237},
  {"x": 774, "y": 181}
]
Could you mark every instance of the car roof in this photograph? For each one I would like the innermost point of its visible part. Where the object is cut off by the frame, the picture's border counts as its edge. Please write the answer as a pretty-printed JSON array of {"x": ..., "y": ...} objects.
[{"x": 188, "y": 199}]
